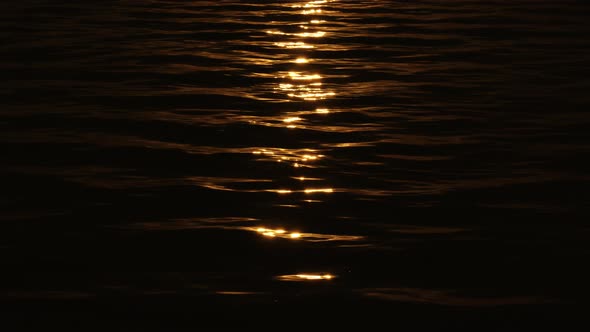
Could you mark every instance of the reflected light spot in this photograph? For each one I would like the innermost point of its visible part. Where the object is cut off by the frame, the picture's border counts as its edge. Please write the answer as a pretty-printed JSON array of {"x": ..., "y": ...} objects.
[
  {"x": 311, "y": 11},
  {"x": 296, "y": 76},
  {"x": 281, "y": 233},
  {"x": 322, "y": 110},
  {"x": 306, "y": 277},
  {"x": 301, "y": 60},
  {"x": 308, "y": 237},
  {"x": 311, "y": 34},
  {"x": 312, "y": 96},
  {"x": 284, "y": 191},
  {"x": 292, "y": 119},
  {"x": 294, "y": 45},
  {"x": 325, "y": 190}
]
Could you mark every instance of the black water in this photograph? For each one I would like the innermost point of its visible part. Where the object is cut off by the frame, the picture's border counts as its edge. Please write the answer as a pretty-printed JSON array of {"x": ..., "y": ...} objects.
[{"x": 171, "y": 164}]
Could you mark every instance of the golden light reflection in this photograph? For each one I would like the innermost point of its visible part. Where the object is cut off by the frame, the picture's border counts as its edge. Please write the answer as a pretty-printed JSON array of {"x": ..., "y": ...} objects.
[
  {"x": 278, "y": 233},
  {"x": 299, "y": 158},
  {"x": 304, "y": 178},
  {"x": 305, "y": 191},
  {"x": 311, "y": 4},
  {"x": 323, "y": 190},
  {"x": 281, "y": 233},
  {"x": 299, "y": 84},
  {"x": 284, "y": 191},
  {"x": 298, "y": 76},
  {"x": 311, "y": 11},
  {"x": 316, "y": 34},
  {"x": 294, "y": 45},
  {"x": 292, "y": 119},
  {"x": 307, "y": 277}
]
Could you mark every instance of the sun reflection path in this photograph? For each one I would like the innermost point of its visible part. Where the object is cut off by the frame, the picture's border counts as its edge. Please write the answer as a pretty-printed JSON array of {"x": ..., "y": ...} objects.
[
  {"x": 299, "y": 88},
  {"x": 300, "y": 83}
]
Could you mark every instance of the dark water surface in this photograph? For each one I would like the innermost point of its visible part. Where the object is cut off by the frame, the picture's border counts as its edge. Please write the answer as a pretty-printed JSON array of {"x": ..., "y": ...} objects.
[{"x": 414, "y": 163}]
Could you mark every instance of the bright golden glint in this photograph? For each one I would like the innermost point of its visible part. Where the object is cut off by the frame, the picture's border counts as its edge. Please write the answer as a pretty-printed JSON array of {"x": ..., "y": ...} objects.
[
  {"x": 297, "y": 76},
  {"x": 323, "y": 190},
  {"x": 306, "y": 277},
  {"x": 294, "y": 45},
  {"x": 292, "y": 119},
  {"x": 322, "y": 110},
  {"x": 282, "y": 233},
  {"x": 301, "y": 60},
  {"x": 316, "y": 34},
  {"x": 311, "y": 11}
]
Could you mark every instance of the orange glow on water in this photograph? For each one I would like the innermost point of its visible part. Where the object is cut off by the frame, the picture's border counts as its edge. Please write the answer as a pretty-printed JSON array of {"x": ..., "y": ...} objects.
[
  {"x": 294, "y": 45},
  {"x": 324, "y": 190},
  {"x": 278, "y": 233},
  {"x": 292, "y": 119},
  {"x": 298, "y": 76},
  {"x": 307, "y": 277},
  {"x": 316, "y": 34},
  {"x": 284, "y": 191}
]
